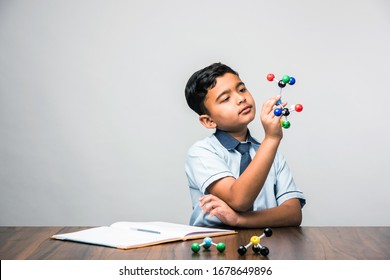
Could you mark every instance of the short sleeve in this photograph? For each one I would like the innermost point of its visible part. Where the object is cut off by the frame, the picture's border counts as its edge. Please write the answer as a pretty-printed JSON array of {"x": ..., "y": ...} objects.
[
  {"x": 285, "y": 187},
  {"x": 204, "y": 165}
]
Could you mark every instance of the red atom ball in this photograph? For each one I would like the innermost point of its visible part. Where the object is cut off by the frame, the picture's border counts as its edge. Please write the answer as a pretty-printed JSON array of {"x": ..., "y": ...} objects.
[
  {"x": 270, "y": 77},
  {"x": 298, "y": 108}
]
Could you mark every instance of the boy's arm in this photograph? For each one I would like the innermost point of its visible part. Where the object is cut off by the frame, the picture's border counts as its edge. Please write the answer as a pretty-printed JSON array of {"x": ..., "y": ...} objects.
[
  {"x": 289, "y": 213},
  {"x": 240, "y": 193}
]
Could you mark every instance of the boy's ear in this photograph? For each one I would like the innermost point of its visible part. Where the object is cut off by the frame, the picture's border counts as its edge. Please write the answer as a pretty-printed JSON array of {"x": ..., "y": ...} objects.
[{"x": 207, "y": 121}]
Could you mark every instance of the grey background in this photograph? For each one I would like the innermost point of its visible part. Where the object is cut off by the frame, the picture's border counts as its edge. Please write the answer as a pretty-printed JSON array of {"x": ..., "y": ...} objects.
[{"x": 94, "y": 125}]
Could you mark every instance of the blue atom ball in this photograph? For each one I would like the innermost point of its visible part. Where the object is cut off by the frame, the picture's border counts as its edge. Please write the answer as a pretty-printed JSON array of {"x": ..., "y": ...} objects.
[
  {"x": 207, "y": 242},
  {"x": 278, "y": 112}
]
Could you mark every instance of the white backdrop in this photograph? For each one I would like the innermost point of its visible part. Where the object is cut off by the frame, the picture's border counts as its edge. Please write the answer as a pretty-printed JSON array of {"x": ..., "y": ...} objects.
[{"x": 94, "y": 126}]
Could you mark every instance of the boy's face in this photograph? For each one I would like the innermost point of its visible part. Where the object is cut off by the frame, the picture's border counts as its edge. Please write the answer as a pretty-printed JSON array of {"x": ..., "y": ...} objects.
[{"x": 230, "y": 105}]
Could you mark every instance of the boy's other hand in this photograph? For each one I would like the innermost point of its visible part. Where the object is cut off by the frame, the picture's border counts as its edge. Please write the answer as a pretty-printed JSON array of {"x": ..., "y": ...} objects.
[
  {"x": 271, "y": 123},
  {"x": 217, "y": 207}
]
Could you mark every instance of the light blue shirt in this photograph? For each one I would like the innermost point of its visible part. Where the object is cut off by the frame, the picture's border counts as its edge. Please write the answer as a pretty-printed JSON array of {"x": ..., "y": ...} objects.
[{"x": 215, "y": 157}]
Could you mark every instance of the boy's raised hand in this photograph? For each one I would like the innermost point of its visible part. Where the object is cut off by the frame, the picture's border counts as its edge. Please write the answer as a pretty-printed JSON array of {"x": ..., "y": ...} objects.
[{"x": 271, "y": 123}]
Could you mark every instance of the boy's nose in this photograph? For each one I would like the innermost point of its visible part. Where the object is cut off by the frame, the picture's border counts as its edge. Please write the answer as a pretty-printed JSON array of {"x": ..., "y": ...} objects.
[{"x": 240, "y": 98}]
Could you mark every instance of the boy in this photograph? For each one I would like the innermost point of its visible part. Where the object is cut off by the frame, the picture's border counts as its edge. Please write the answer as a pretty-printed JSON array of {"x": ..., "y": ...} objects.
[{"x": 223, "y": 191}]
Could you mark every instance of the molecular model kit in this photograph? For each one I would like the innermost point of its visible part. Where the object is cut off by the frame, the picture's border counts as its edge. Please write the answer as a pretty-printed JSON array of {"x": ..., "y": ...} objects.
[
  {"x": 254, "y": 241},
  {"x": 256, "y": 246},
  {"x": 207, "y": 242},
  {"x": 286, "y": 80}
]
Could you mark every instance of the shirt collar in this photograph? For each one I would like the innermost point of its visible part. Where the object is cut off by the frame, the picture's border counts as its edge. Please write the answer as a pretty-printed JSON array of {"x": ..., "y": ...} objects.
[{"x": 229, "y": 142}]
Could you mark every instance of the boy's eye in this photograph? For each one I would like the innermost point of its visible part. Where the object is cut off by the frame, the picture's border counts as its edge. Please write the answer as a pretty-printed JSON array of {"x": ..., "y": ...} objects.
[
  {"x": 226, "y": 99},
  {"x": 242, "y": 90}
]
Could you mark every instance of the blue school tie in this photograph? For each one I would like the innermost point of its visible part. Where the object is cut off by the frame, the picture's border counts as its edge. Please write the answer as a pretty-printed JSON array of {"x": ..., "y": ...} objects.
[{"x": 243, "y": 148}]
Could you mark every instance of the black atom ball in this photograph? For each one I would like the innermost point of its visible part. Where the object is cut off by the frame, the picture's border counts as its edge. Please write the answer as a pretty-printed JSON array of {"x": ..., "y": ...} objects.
[
  {"x": 281, "y": 84},
  {"x": 241, "y": 250},
  {"x": 264, "y": 251},
  {"x": 256, "y": 249},
  {"x": 286, "y": 112},
  {"x": 268, "y": 232}
]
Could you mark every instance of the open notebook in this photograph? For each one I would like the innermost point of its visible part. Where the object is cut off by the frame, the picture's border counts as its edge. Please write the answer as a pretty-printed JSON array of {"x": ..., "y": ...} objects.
[{"x": 128, "y": 235}]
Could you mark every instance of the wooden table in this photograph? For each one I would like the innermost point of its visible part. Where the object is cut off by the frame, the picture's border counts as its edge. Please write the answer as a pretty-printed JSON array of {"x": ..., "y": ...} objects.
[{"x": 290, "y": 243}]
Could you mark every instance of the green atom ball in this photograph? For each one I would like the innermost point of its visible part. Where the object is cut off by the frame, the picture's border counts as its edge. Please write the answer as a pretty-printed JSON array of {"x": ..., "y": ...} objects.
[
  {"x": 286, "y": 124},
  {"x": 221, "y": 247},
  {"x": 286, "y": 79},
  {"x": 195, "y": 247}
]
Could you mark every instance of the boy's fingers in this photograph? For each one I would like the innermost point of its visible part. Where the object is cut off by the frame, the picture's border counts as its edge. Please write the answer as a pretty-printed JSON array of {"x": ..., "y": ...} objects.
[
  {"x": 272, "y": 101},
  {"x": 205, "y": 199},
  {"x": 269, "y": 105},
  {"x": 214, "y": 212},
  {"x": 208, "y": 206}
]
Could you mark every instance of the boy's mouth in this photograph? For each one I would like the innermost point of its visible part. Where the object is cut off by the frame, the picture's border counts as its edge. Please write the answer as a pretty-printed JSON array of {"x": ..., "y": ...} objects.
[{"x": 245, "y": 110}]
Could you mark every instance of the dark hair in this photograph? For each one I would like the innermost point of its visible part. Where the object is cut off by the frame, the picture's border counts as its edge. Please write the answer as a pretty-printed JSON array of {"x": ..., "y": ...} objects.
[{"x": 202, "y": 81}]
